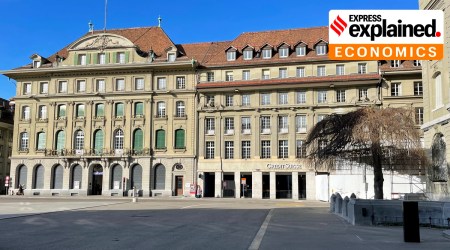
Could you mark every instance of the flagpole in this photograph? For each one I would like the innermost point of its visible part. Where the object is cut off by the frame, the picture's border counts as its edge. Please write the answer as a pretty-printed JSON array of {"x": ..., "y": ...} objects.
[{"x": 106, "y": 8}]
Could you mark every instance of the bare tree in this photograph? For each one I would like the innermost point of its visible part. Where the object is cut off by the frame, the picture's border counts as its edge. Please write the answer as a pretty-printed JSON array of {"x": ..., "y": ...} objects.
[{"x": 374, "y": 136}]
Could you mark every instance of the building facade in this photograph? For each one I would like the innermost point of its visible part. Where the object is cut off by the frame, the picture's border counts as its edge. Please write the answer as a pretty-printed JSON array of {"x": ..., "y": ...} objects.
[{"x": 6, "y": 139}]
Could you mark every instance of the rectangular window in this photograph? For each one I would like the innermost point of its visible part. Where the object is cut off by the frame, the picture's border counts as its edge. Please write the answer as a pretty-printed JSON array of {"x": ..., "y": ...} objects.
[
  {"x": 100, "y": 85},
  {"x": 161, "y": 82},
  {"x": 209, "y": 126},
  {"x": 26, "y": 113},
  {"x": 79, "y": 111},
  {"x": 245, "y": 149},
  {"x": 395, "y": 63},
  {"x": 101, "y": 58},
  {"x": 61, "y": 111},
  {"x": 139, "y": 83},
  {"x": 181, "y": 82},
  {"x": 245, "y": 125},
  {"x": 42, "y": 112},
  {"x": 43, "y": 88},
  {"x": 246, "y": 75},
  {"x": 210, "y": 100},
  {"x": 340, "y": 69},
  {"x": 283, "y": 98},
  {"x": 229, "y": 125},
  {"x": 265, "y": 99},
  {"x": 245, "y": 100},
  {"x": 161, "y": 109},
  {"x": 229, "y": 149},
  {"x": 321, "y": 96},
  {"x": 265, "y": 74},
  {"x": 300, "y": 50},
  {"x": 81, "y": 59},
  {"x": 119, "y": 110},
  {"x": 363, "y": 95},
  {"x": 283, "y": 124},
  {"x": 283, "y": 52},
  {"x": 231, "y": 55},
  {"x": 265, "y": 124},
  {"x": 301, "y": 149},
  {"x": 418, "y": 88},
  {"x": 120, "y": 84},
  {"x": 229, "y": 76},
  {"x": 321, "y": 71},
  {"x": 283, "y": 149},
  {"x": 209, "y": 154},
  {"x": 419, "y": 115},
  {"x": 300, "y": 123},
  {"x": 171, "y": 57},
  {"x": 300, "y": 72},
  {"x": 100, "y": 110},
  {"x": 282, "y": 73},
  {"x": 362, "y": 68},
  {"x": 248, "y": 54},
  {"x": 81, "y": 86},
  {"x": 229, "y": 100},
  {"x": 301, "y": 97},
  {"x": 27, "y": 88},
  {"x": 267, "y": 53},
  {"x": 120, "y": 57},
  {"x": 340, "y": 95},
  {"x": 395, "y": 89},
  {"x": 210, "y": 76},
  {"x": 321, "y": 49},
  {"x": 265, "y": 149}
]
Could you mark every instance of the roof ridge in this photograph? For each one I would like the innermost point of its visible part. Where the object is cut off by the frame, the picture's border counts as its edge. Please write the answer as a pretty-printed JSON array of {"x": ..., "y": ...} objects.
[
  {"x": 267, "y": 31},
  {"x": 199, "y": 43},
  {"x": 132, "y": 28}
]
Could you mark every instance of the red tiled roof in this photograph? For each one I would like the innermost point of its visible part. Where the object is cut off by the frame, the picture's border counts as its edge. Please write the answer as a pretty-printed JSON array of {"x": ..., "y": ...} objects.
[
  {"x": 385, "y": 66},
  {"x": 296, "y": 80}
]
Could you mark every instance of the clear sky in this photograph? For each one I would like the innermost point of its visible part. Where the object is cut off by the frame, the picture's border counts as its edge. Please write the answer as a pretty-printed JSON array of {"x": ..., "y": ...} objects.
[{"x": 45, "y": 26}]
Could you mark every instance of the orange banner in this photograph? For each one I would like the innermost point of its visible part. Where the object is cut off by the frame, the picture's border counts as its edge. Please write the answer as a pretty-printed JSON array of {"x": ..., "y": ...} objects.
[{"x": 386, "y": 51}]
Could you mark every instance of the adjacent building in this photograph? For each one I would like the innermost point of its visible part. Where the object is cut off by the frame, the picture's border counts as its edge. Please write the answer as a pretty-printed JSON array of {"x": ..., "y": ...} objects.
[{"x": 6, "y": 139}]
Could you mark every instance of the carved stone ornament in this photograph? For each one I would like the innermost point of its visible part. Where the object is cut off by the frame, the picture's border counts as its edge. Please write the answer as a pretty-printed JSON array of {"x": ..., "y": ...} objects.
[
  {"x": 439, "y": 168},
  {"x": 101, "y": 43}
]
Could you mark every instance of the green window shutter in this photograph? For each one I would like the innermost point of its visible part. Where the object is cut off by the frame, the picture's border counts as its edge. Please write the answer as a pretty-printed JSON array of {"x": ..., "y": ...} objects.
[
  {"x": 119, "y": 109},
  {"x": 114, "y": 57},
  {"x": 95, "y": 58},
  {"x": 179, "y": 138},
  {"x": 138, "y": 139},
  {"x": 99, "y": 110},
  {"x": 106, "y": 57},
  {"x": 160, "y": 139},
  {"x": 127, "y": 56},
  {"x": 41, "y": 140},
  {"x": 60, "y": 140},
  {"x": 139, "y": 109},
  {"x": 98, "y": 142},
  {"x": 75, "y": 59},
  {"x": 88, "y": 58}
]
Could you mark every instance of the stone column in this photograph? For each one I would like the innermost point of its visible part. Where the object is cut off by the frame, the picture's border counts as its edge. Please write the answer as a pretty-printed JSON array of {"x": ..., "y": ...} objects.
[
  {"x": 106, "y": 187},
  {"x": 237, "y": 180},
  {"x": 257, "y": 185},
  {"x": 310, "y": 186},
  {"x": 218, "y": 184},
  {"x": 295, "y": 185},
  {"x": 273, "y": 185}
]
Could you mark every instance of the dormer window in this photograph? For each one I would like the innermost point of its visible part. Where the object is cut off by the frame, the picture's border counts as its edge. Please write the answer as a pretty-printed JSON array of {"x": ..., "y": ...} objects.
[
  {"x": 248, "y": 54},
  {"x": 36, "y": 64},
  {"x": 171, "y": 57},
  {"x": 321, "y": 49},
  {"x": 231, "y": 55},
  {"x": 101, "y": 58},
  {"x": 120, "y": 57},
  {"x": 82, "y": 59},
  {"x": 300, "y": 50},
  {"x": 395, "y": 63},
  {"x": 283, "y": 52},
  {"x": 417, "y": 63},
  {"x": 267, "y": 53}
]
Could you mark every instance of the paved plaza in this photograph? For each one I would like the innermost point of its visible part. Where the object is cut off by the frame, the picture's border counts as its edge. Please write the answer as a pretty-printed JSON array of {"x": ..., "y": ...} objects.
[{"x": 186, "y": 223}]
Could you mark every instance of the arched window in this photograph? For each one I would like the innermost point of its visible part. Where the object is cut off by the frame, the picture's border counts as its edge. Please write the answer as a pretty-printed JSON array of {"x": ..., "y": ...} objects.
[
  {"x": 161, "y": 112},
  {"x": 24, "y": 141},
  {"x": 57, "y": 177},
  {"x": 138, "y": 138},
  {"x": 119, "y": 110},
  {"x": 79, "y": 139},
  {"x": 40, "y": 141},
  {"x": 60, "y": 140},
  {"x": 116, "y": 177},
  {"x": 136, "y": 177},
  {"x": 26, "y": 113},
  {"x": 138, "y": 109},
  {"x": 76, "y": 177},
  {"x": 22, "y": 176},
  {"x": 160, "y": 177},
  {"x": 438, "y": 91},
  {"x": 179, "y": 139},
  {"x": 160, "y": 139},
  {"x": 98, "y": 142},
  {"x": 61, "y": 111},
  {"x": 180, "y": 109},
  {"x": 118, "y": 139},
  {"x": 38, "y": 177},
  {"x": 80, "y": 110}
]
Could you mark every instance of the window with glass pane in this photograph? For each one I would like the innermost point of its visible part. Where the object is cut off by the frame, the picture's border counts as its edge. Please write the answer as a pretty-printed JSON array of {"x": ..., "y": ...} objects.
[
  {"x": 231, "y": 55},
  {"x": 265, "y": 149},
  {"x": 265, "y": 74},
  {"x": 98, "y": 142},
  {"x": 41, "y": 141},
  {"x": 100, "y": 110},
  {"x": 119, "y": 110},
  {"x": 265, "y": 124},
  {"x": 43, "y": 88},
  {"x": 301, "y": 149},
  {"x": 229, "y": 76},
  {"x": 120, "y": 57},
  {"x": 300, "y": 50},
  {"x": 160, "y": 139},
  {"x": 265, "y": 99},
  {"x": 283, "y": 124},
  {"x": 301, "y": 97},
  {"x": 248, "y": 54},
  {"x": 161, "y": 109},
  {"x": 340, "y": 69},
  {"x": 417, "y": 63},
  {"x": 179, "y": 139},
  {"x": 61, "y": 111},
  {"x": 283, "y": 98},
  {"x": 300, "y": 123},
  {"x": 210, "y": 76},
  {"x": 80, "y": 110},
  {"x": 81, "y": 86},
  {"x": 101, "y": 58},
  {"x": 138, "y": 140},
  {"x": 161, "y": 81},
  {"x": 229, "y": 100},
  {"x": 139, "y": 83},
  {"x": 245, "y": 125},
  {"x": 23, "y": 141},
  {"x": 395, "y": 63},
  {"x": 283, "y": 149},
  {"x": 395, "y": 89},
  {"x": 26, "y": 112},
  {"x": 138, "y": 109},
  {"x": 79, "y": 139},
  {"x": 340, "y": 95},
  {"x": 181, "y": 82},
  {"x": 322, "y": 96},
  {"x": 362, "y": 68},
  {"x": 438, "y": 102},
  {"x": 321, "y": 49},
  {"x": 321, "y": 71},
  {"x": 283, "y": 52},
  {"x": 81, "y": 59},
  {"x": 100, "y": 85},
  {"x": 120, "y": 84},
  {"x": 42, "y": 112},
  {"x": 60, "y": 140},
  {"x": 209, "y": 154},
  {"x": 245, "y": 100},
  {"x": 229, "y": 149},
  {"x": 363, "y": 94},
  {"x": 300, "y": 72},
  {"x": 229, "y": 125},
  {"x": 180, "y": 109},
  {"x": 267, "y": 53},
  {"x": 245, "y": 149},
  {"x": 210, "y": 100},
  {"x": 27, "y": 88},
  {"x": 419, "y": 115},
  {"x": 418, "y": 88},
  {"x": 118, "y": 139},
  {"x": 246, "y": 75},
  {"x": 209, "y": 126},
  {"x": 282, "y": 73},
  {"x": 172, "y": 57}
]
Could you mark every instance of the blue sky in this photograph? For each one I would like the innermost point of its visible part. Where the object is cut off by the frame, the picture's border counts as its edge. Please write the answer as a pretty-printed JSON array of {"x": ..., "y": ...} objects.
[{"x": 45, "y": 26}]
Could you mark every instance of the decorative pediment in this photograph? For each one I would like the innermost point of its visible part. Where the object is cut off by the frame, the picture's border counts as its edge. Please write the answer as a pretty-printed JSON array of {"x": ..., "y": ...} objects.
[
  {"x": 101, "y": 42},
  {"x": 319, "y": 42}
]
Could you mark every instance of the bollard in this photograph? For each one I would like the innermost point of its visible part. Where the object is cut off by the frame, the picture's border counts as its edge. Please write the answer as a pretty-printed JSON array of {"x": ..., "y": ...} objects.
[{"x": 411, "y": 231}]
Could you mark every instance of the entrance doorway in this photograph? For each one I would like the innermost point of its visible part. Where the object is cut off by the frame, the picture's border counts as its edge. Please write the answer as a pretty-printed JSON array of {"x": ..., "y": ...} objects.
[
  {"x": 229, "y": 185},
  {"x": 266, "y": 186},
  {"x": 179, "y": 185},
  {"x": 246, "y": 191},
  {"x": 209, "y": 184},
  {"x": 97, "y": 180},
  {"x": 284, "y": 185},
  {"x": 301, "y": 186}
]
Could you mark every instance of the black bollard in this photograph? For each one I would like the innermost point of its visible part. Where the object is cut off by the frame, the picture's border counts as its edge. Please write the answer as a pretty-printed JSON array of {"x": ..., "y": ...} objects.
[{"x": 411, "y": 232}]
